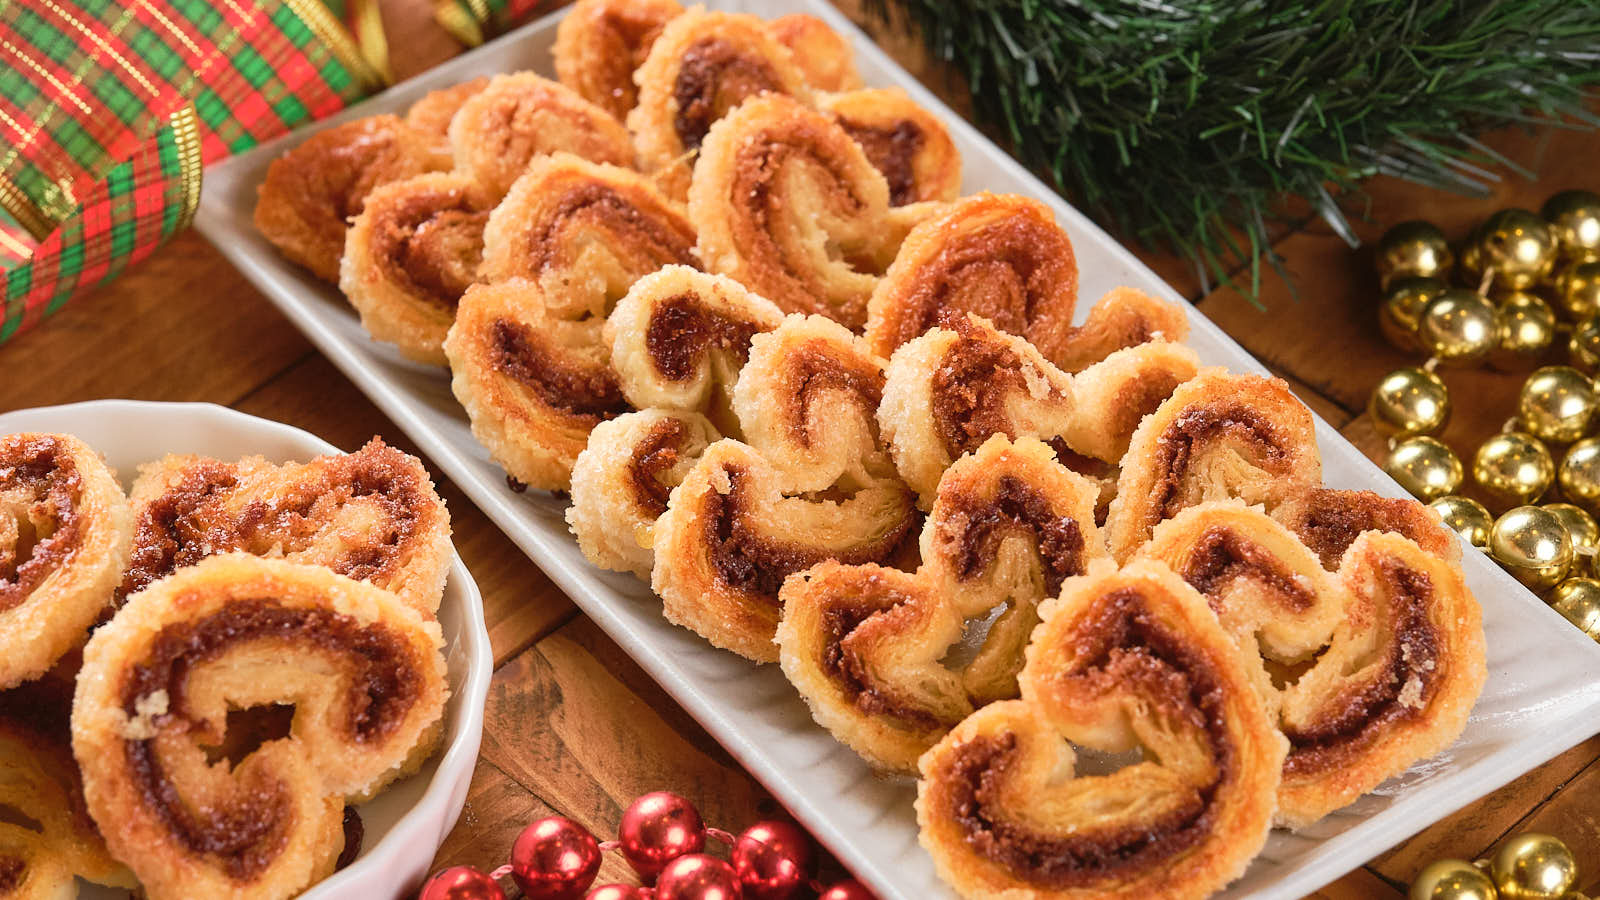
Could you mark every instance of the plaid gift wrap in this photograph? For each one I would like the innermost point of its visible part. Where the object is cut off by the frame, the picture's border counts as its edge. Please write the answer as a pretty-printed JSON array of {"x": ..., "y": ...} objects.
[
  {"x": 471, "y": 21},
  {"x": 109, "y": 110}
]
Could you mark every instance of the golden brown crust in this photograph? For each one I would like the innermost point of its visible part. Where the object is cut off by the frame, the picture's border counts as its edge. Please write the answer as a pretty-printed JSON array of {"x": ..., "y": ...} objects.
[
  {"x": 601, "y": 42},
  {"x": 431, "y": 115},
  {"x": 1123, "y": 318},
  {"x": 823, "y": 55},
  {"x": 905, "y": 142},
  {"x": 1329, "y": 520}
]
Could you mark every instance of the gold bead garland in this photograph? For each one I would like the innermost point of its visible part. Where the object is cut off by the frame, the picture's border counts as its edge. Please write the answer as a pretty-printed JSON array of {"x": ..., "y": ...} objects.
[{"x": 1528, "y": 866}]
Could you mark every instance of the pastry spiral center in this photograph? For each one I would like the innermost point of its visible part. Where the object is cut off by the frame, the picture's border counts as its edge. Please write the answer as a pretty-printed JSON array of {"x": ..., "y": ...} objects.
[
  {"x": 713, "y": 77},
  {"x": 682, "y": 329},
  {"x": 849, "y": 626},
  {"x": 1198, "y": 428},
  {"x": 660, "y": 450},
  {"x": 12, "y": 870},
  {"x": 970, "y": 387},
  {"x": 592, "y": 205},
  {"x": 39, "y": 522},
  {"x": 433, "y": 246},
  {"x": 976, "y": 526},
  {"x": 1221, "y": 556},
  {"x": 589, "y": 393},
  {"x": 892, "y": 150}
]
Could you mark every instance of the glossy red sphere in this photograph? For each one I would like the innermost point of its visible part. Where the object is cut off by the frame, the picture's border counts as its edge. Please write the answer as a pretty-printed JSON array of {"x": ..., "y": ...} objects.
[
  {"x": 849, "y": 889},
  {"x": 773, "y": 860},
  {"x": 620, "y": 892},
  {"x": 461, "y": 883},
  {"x": 555, "y": 859},
  {"x": 658, "y": 828},
  {"x": 696, "y": 876}
]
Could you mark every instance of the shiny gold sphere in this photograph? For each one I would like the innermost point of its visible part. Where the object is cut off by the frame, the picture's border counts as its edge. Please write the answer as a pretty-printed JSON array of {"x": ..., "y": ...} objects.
[
  {"x": 1581, "y": 528},
  {"x": 1459, "y": 327},
  {"x": 1413, "y": 249},
  {"x": 1409, "y": 401},
  {"x": 1426, "y": 468},
  {"x": 1466, "y": 517},
  {"x": 1469, "y": 270},
  {"x": 1577, "y": 288},
  {"x": 1574, "y": 217},
  {"x": 1451, "y": 879},
  {"x": 1584, "y": 345},
  {"x": 1401, "y": 310},
  {"x": 1557, "y": 404},
  {"x": 1513, "y": 467},
  {"x": 1533, "y": 866},
  {"x": 1527, "y": 329},
  {"x": 1518, "y": 246},
  {"x": 1532, "y": 545},
  {"x": 1579, "y": 474},
  {"x": 1578, "y": 600}
]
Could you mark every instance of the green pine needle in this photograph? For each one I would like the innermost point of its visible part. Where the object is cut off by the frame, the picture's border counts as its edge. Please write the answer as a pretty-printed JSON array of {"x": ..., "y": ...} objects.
[{"x": 1176, "y": 121}]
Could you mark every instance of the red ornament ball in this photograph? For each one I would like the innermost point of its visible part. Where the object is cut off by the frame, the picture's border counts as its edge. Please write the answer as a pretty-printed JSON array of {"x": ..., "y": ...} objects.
[
  {"x": 849, "y": 889},
  {"x": 555, "y": 859},
  {"x": 461, "y": 883},
  {"x": 658, "y": 828},
  {"x": 696, "y": 876},
  {"x": 620, "y": 892},
  {"x": 773, "y": 860}
]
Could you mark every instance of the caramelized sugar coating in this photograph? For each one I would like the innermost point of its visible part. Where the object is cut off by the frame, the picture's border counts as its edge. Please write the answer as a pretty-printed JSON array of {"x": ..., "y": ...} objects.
[
  {"x": 430, "y": 116},
  {"x": 364, "y": 671},
  {"x": 312, "y": 192},
  {"x": 823, "y": 55},
  {"x": 1124, "y": 317},
  {"x": 371, "y": 515},
  {"x": 1124, "y": 660},
  {"x": 703, "y": 65},
  {"x": 1218, "y": 436},
  {"x": 601, "y": 42},
  {"x": 1382, "y": 658},
  {"x": 1329, "y": 520},
  {"x": 622, "y": 479},
  {"x": 65, "y": 527},
  {"x": 410, "y": 256},
  {"x": 520, "y": 116},
  {"x": 905, "y": 142}
]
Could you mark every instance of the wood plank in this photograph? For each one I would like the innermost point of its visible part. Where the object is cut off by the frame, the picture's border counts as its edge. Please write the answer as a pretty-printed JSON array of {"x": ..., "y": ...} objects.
[
  {"x": 1571, "y": 815},
  {"x": 1358, "y": 885}
]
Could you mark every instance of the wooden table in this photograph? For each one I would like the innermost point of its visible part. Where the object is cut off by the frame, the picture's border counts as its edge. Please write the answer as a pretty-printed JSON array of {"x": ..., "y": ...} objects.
[{"x": 572, "y": 725}]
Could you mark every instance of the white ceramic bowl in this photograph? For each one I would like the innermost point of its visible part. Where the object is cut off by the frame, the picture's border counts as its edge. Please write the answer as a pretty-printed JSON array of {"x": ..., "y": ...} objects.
[{"x": 406, "y": 824}]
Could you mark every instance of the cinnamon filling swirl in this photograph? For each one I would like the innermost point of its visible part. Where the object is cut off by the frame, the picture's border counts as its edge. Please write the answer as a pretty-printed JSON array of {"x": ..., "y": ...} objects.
[
  {"x": 1016, "y": 506},
  {"x": 840, "y": 624},
  {"x": 970, "y": 387},
  {"x": 892, "y": 150},
  {"x": 40, "y": 483},
  {"x": 432, "y": 245},
  {"x": 12, "y": 870},
  {"x": 589, "y": 394},
  {"x": 682, "y": 329},
  {"x": 1198, "y": 427},
  {"x": 713, "y": 76},
  {"x": 1329, "y": 521},
  {"x": 812, "y": 371},
  {"x": 661, "y": 449},
  {"x": 664, "y": 239},
  {"x": 1221, "y": 556}
]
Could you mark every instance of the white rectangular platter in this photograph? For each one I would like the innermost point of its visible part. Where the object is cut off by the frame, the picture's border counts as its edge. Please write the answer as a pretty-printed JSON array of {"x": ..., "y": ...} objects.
[{"x": 1542, "y": 696}]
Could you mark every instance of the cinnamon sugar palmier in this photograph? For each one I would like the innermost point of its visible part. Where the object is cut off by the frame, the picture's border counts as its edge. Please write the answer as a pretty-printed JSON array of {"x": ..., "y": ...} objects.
[
  {"x": 64, "y": 534},
  {"x": 311, "y": 193},
  {"x": 1329, "y": 520},
  {"x": 730, "y": 536},
  {"x": 532, "y": 384},
  {"x": 601, "y": 42},
  {"x": 364, "y": 671},
  {"x": 786, "y": 203},
  {"x": 518, "y": 116},
  {"x": 905, "y": 142},
  {"x": 1218, "y": 436},
  {"x": 1124, "y": 317},
  {"x": 953, "y": 388},
  {"x": 371, "y": 515},
  {"x": 622, "y": 479},
  {"x": 583, "y": 232},
  {"x": 1124, "y": 660},
  {"x": 410, "y": 256},
  {"x": 431, "y": 115},
  {"x": 703, "y": 65},
  {"x": 679, "y": 337},
  {"x": 823, "y": 55},
  {"x": 1379, "y": 662}
]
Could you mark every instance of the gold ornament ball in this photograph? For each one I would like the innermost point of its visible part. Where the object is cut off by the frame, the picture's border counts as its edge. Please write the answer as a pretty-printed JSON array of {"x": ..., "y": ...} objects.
[
  {"x": 1451, "y": 879},
  {"x": 1579, "y": 474},
  {"x": 1518, "y": 246},
  {"x": 1409, "y": 401},
  {"x": 1426, "y": 468},
  {"x": 1578, "y": 600},
  {"x": 1533, "y": 866},
  {"x": 1401, "y": 310},
  {"x": 1557, "y": 404},
  {"x": 1532, "y": 545},
  {"x": 1513, "y": 466},
  {"x": 1470, "y": 270},
  {"x": 1459, "y": 327},
  {"x": 1584, "y": 345},
  {"x": 1581, "y": 528},
  {"x": 1577, "y": 287},
  {"x": 1466, "y": 517},
  {"x": 1527, "y": 329},
  {"x": 1413, "y": 249},
  {"x": 1574, "y": 217}
]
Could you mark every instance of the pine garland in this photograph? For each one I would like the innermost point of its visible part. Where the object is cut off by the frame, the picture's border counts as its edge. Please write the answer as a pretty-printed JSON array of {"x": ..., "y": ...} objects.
[{"x": 1172, "y": 120}]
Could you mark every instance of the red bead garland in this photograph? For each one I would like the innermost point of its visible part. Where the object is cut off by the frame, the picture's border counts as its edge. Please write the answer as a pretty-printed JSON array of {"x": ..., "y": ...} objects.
[
  {"x": 461, "y": 883},
  {"x": 555, "y": 859},
  {"x": 696, "y": 876},
  {"x": 773, "y": 860},
  {"x": 658, "y": 828}
]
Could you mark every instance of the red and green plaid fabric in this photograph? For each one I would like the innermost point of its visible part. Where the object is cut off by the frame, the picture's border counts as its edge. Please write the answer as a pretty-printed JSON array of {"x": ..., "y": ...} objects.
[{"x": 471, "y": 21}]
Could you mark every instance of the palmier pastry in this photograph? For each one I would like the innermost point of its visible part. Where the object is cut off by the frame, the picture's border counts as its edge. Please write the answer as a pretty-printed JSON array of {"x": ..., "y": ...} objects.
[
  {"x": 64, "y": 534},
  {"x": 584, "y": 233},
  {"x": 907, "y": 143},
  {"x": 1124, "y": 660},
  {"x": 410, "y": 256},
  {"x": 823, "y": 55},
  {"x": 679, "y": 337},
  {"x": 519, "y": 116},
  {"x": 1329, "y": 520},
  {"x": 363, "y": 670},
  {"x": 39, "y": 780},
  {"x": 953, "y": 388},
  {"x": 1379, "y": 663},
  {"x": 1124, "y": 317},
  {"x": 1218, "y": 436},
  {"x": 533, "y": 385},
  {"x": 786, "y": 203},
  {"x": 622, "y": 479},
  {"x": 730, "y": 537},
  {"x": 431, "y": 115},
  {"x": 703, "y": 65},
  {"x": 312, "y": 192},
  {"x": 601, "y": 42},
  {"x": 371, "y": 515}
]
